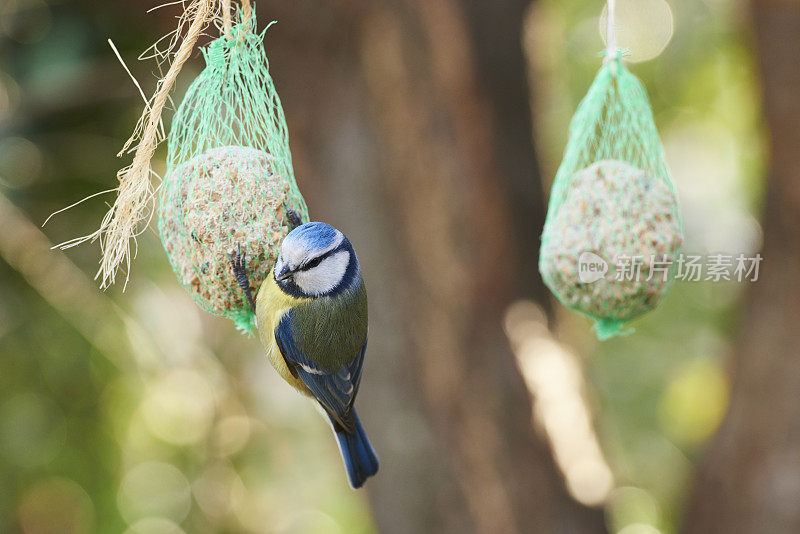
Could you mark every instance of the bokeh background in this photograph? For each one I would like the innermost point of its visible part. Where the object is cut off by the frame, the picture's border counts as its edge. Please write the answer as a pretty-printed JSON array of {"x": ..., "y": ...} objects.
[{"x": 429, "y": 132}]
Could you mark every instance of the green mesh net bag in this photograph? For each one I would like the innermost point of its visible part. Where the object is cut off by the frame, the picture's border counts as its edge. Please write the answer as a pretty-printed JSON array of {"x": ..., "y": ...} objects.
[
  {"x": 229, "y": 183},
  {"x": 613, "y": 226}
]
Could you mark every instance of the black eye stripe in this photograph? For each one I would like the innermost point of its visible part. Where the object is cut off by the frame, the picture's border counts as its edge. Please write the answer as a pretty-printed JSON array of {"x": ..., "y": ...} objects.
[
  {"x": 311, "y": 264},
  {"x": 316, "y": 261}
]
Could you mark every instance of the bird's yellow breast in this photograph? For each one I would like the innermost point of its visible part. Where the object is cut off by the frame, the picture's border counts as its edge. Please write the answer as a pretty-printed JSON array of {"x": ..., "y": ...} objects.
[{"x": 271, "y": 305}]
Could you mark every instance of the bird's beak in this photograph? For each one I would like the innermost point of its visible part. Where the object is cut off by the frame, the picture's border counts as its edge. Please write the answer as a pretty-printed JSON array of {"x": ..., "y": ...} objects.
[{"x": 284, "y": 274}]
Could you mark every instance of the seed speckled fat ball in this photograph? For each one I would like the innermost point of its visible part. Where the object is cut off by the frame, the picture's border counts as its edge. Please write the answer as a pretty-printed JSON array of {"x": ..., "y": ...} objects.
[
  {"x": 615, "y": 211},
  {"x": 224, "y": 198}
]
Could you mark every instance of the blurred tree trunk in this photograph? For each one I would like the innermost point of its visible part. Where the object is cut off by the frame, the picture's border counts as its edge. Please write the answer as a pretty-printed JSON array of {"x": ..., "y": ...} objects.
[
  {"x": 426, "y": 162},
  {"x": 750, "y": 479},
  {"x": 495, "y": 34}
]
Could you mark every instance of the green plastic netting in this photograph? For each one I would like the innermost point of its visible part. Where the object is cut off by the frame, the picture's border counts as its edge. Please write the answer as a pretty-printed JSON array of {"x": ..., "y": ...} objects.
[
  {"x": 229, "y": 178},
  {"x": 613, "y": 227}
]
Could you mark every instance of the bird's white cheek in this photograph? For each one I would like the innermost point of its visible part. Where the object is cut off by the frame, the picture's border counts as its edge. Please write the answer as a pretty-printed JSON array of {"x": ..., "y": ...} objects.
[{"x": 325, "y": 276}]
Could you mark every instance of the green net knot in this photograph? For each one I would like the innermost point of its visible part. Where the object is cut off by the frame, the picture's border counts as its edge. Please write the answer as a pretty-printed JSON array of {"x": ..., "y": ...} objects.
[
  {"x": 215, "y": 54},
  {"x": 608, "y": 328},
  {"x": 612, "y": 57},
  {"x": 244, "y": 320}
]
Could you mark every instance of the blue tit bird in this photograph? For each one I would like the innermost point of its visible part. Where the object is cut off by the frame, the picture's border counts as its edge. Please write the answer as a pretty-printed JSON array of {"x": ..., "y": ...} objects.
[{"x": 311, "y": 314}]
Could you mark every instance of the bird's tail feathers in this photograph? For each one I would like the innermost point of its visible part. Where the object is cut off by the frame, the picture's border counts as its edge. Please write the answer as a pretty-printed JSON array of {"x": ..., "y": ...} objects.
[{"x": 359, "y": 457}]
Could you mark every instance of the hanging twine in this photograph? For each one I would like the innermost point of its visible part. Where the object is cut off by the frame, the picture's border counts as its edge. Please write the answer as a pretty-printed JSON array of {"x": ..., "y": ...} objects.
[
  {"x": 611, "y": 35},
  {"x": 227, "y": 19},
  {"x": 226, "y": 16}
]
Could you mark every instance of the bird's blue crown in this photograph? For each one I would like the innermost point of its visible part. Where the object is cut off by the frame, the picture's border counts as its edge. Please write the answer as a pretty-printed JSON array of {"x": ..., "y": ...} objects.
[{"x": 312, "y": 236}]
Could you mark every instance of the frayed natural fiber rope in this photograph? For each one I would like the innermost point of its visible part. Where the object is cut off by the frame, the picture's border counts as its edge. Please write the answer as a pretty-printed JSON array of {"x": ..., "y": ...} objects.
[
  {"x": 123, "y": 220},
  {"x": 226, "y": 16},
  {"x": 227, "y": 19}
]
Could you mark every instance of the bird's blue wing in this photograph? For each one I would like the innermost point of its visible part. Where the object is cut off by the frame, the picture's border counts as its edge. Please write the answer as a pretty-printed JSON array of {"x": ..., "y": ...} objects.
[{"x": 335, "y": 389}]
